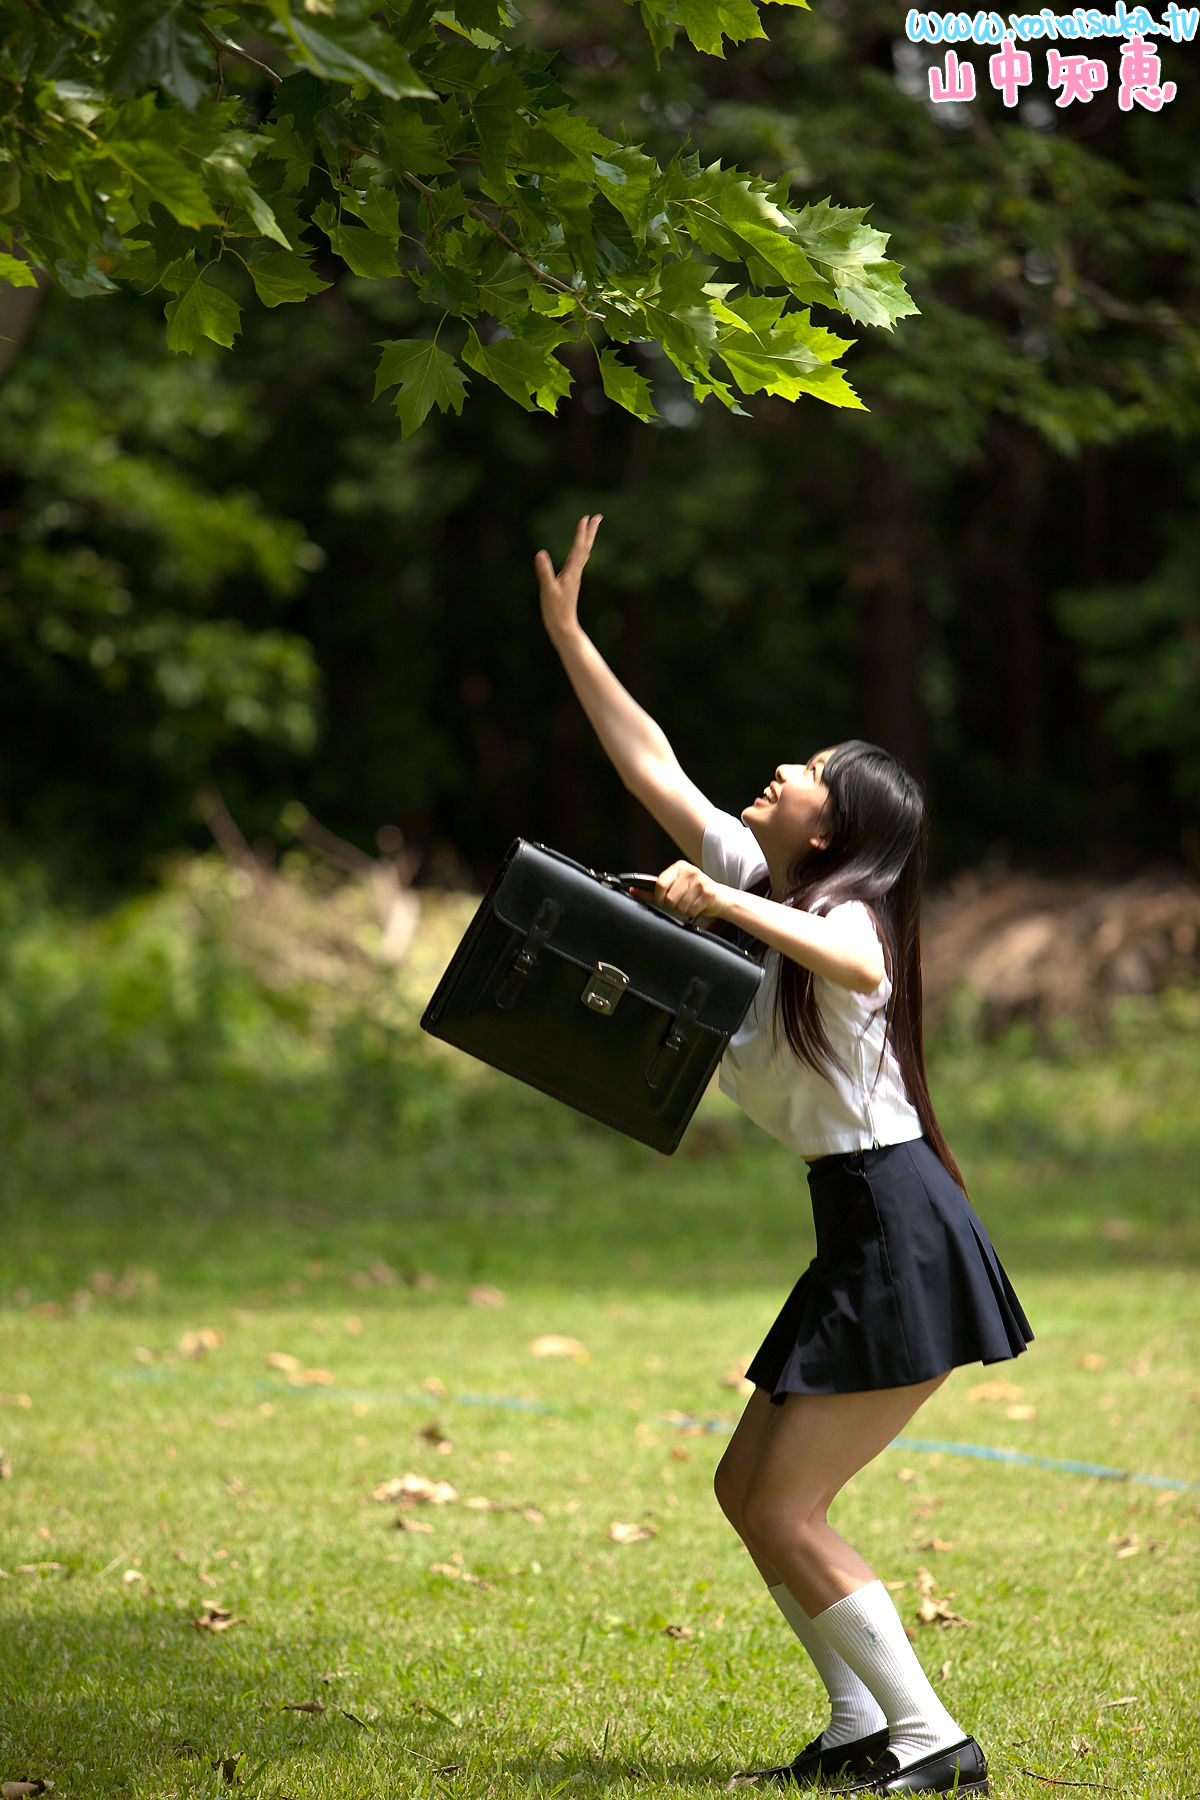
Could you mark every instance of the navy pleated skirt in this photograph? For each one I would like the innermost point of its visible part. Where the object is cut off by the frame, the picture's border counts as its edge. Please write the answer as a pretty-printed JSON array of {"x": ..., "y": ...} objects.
[{"x": 905, "y": 1284}]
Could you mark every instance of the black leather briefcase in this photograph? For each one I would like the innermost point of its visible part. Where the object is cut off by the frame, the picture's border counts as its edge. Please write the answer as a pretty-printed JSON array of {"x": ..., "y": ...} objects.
[{"x": 568, "y": 983}]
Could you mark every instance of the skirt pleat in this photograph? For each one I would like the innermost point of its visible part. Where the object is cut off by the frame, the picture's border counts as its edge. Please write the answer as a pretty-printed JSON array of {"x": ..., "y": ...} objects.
[{"x": 905, "y": 1284}]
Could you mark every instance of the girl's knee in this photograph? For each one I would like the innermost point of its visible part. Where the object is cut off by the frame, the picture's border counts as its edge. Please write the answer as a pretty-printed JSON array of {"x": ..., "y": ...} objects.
[
  {"x": 729, "y": 1485},
  {"x": 776, "y": 1524}
]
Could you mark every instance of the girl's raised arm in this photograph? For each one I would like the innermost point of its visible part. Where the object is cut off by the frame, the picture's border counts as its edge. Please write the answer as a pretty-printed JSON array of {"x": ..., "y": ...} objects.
[{"x": 636, "y": 746}]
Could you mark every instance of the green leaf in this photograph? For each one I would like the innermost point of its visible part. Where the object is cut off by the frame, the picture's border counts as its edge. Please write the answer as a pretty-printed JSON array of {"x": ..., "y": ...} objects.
[
  {"x": 768, "y": 351},
  {"x": 851, "y": 254},
  {"x": 351, "y": 44},
  {"x": 16, "y": 271},
  {"x": 364, "y": 252},
  {"x": 426, "y": 377},
  {"x": 201, "y": 311},
  {"x": 10, "y": 187},
  {"x": 625, "y": 386},
  {"x": 279, "y": 276},
  {"x": 670, "y": 305},
  {"x": 736, "y": 217},
  {"x": 709, "y": 22},
  {"x": 159, "y": 46},
  {"x": 631, "y": 181},
  {"x": 505, "y": 283},
  {"x": 494, "y": 110},
  {"x": 375, "y": 206},
  {"x": 160, "y": 173},
  {"x": 411, "y": 141},
  {"x": 528, "y": 373}
]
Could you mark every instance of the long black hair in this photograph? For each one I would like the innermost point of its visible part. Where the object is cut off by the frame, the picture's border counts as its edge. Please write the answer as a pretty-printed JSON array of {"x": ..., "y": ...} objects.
[{"x": 876, "y": 826}]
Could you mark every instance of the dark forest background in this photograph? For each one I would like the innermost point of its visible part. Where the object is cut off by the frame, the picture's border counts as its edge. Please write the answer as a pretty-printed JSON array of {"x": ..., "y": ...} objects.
[{"x": 231, "y": 572}]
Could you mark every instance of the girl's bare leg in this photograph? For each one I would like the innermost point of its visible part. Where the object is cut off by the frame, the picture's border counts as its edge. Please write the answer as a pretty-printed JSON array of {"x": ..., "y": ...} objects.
[{"x": 802, "y": 1458}]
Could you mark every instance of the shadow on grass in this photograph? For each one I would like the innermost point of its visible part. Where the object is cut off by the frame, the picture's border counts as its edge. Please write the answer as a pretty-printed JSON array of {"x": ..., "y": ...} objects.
[{"x": 99, "y": 1703}]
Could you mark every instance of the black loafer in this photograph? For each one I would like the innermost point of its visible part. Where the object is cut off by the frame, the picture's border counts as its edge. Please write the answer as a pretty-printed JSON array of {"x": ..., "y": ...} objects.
[
  {"x": 817, "y": 1764},
  {"x": 960, "y": 1770}
]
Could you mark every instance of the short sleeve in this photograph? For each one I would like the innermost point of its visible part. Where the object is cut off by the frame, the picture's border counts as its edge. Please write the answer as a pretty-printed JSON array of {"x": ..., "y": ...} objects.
[
  {"x": 730, "y": 852},
  {"x": 855, "y": 917}
]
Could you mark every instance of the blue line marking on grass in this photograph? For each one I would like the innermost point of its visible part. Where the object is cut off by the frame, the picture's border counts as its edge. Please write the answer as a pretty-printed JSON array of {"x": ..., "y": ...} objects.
[
  {"x": 1064, "y": 1465},
  {"x": 513, "y": 1403}
]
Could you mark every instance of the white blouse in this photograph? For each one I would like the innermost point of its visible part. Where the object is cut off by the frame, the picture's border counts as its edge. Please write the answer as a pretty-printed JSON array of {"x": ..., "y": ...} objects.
[{"x": 814, "y": 1115}]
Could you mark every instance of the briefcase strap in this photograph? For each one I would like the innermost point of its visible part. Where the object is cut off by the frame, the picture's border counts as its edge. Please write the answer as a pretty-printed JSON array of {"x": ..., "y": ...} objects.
[
  {"x": 663, "y": 1061},
  {"x": 526, "y": 959}
]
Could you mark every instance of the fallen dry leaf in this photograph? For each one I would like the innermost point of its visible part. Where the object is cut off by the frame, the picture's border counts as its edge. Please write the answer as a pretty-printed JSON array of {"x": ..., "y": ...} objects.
[
  {"x": 198, "y": 1343},
  {"x": 15, "y": 1790},
  {"x": 215, "y": 1618},
  {"x": 437, "y": 1388},
  {"x": 1128, "y": 1546},
  {"x": 1021, "y": 1413},
  {"x": 533, "y": 1515},
  {"x": 552, "y": 1345},
  {"x": 316, "y": 1378},
  {"x": 1092, "y": 1359},
  {"x": 131, "y": 1576},
  {"x": 457, "y": 1573},
  {"x": 630, "y": 1534},
  {"x": 404, "y": 1523},
  {"x": 935, "y": 1543},
  {"x": 944, "y": 1672},
  {"x": 735, "y": 1377},
  {"x": 483, "y": 1295},
  {"x": 5, "y": 1467},
  {"x": 1125, "y": 1700},
  {"x": 906, "y": 1475},
  {"x": 304, "y": 1706},
  {"x": 235, "y": 1486},
  {"x": 434, "y": 1434},
  {"x": 938, "y": 1612},
  {"x": 284, "y": 1362},
  {"x": 677, "y": 1631},
  {"x": 24, "y": 1401},
  {"x": 994, "y": 1390},
  {"x": 228, "y": 1767},
  {"x": 353, "y": 1325},
  {"x": 415, "y": 1487}
]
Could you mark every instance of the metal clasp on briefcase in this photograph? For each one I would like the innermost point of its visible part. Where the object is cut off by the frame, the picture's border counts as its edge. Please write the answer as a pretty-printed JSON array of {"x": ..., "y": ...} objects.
[{"x": 604, "y": 988}]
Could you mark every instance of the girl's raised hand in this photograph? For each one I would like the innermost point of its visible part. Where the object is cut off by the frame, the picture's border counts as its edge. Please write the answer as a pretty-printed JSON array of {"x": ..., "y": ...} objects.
[{"x": 559, "y": 593}]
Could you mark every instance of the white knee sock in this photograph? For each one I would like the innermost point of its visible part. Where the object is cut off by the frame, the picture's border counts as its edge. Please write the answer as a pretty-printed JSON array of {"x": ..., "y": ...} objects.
[
  {"x": 855, "y": 1713},
  {"x": 865, "y": 1630}
]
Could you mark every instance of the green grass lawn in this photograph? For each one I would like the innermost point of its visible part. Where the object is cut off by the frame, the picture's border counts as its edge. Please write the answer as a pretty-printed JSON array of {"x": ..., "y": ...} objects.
[{"x": 347, "y": 1218}]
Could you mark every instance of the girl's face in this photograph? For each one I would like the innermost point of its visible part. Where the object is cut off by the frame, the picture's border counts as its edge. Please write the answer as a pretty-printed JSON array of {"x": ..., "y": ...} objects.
[{"x": 789, "y": 816}]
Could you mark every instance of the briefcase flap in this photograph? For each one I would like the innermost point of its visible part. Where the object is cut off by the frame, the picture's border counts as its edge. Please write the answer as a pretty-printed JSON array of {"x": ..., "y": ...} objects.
[{"x": 596, "y": 923}]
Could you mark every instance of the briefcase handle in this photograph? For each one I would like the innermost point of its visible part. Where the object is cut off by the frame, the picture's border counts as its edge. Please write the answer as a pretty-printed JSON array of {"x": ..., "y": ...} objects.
[{"x": 634, "y": 880}]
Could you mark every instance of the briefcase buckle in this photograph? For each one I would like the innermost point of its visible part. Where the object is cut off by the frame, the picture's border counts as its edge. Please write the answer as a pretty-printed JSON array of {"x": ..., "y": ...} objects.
[{"x": 604, "y": 988}]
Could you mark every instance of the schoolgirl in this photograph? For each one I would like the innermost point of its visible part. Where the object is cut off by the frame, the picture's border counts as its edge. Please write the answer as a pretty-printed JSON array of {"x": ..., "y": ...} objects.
[{"x": 823, "y": 872}]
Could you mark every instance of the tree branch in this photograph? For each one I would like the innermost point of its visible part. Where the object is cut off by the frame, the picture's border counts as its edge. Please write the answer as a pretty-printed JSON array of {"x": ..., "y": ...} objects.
[
  {"x": 547, "y": 280},
  {"x": 229, "y": 49}
]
